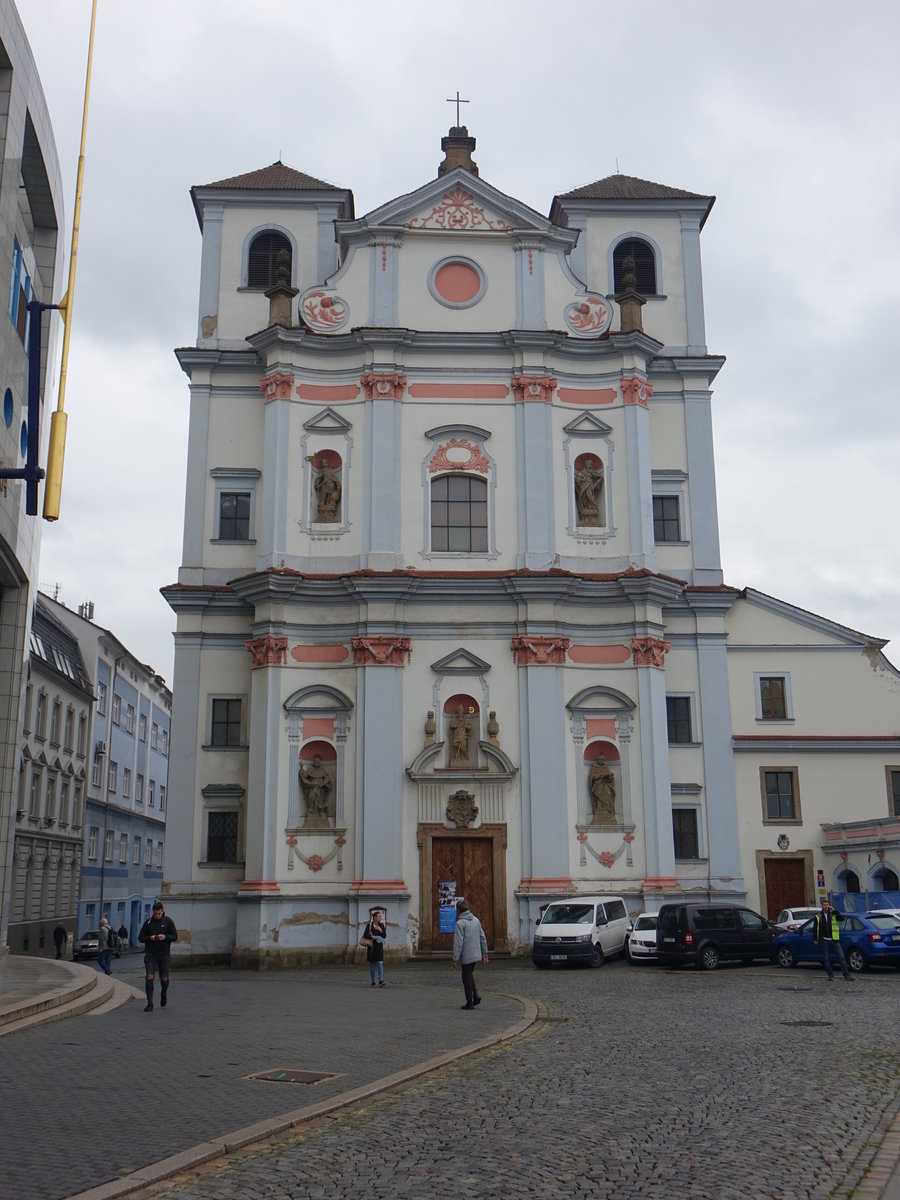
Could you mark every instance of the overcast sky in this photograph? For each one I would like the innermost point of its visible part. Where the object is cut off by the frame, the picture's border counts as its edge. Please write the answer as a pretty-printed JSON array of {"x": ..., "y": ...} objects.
[{"x": 785, "y": 112}]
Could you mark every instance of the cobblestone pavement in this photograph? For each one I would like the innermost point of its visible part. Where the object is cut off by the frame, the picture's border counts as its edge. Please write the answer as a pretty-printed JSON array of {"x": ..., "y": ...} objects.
[
  {"x": 646, "y": 1083},
  {"x": 88, "y": 1099}
]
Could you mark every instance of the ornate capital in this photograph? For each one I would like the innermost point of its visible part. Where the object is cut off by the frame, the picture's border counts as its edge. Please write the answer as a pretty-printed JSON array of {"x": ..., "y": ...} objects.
[
  {"x": 268, "y": 651},
  {"x": 650, "y": 651},
  {"x": 636, "y": 391},
  {"x": 277, "y": 386},
  {"x": 383, "y": 385},
  {"x": 466, "y": 456},
  {"x": 380, "y": 651},
  {"x": 539, "y": 651},
  {"x": 533, "y": 387}
]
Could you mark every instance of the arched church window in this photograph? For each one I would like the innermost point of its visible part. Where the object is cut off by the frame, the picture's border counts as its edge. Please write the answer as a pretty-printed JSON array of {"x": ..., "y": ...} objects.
[
  {"x": 644, "y": 266},
  {"x": 590, "y": 490},
  {"x": 601, "y": 760},
  {"x": 263, "y": 258},
  {"x": 327, "y": 487},
  {"x": 850, "y": 880},
  {"x": 462, "y": 731},
  {"x": 887, "y": 880},
  {"x": 459, "y": 514}
]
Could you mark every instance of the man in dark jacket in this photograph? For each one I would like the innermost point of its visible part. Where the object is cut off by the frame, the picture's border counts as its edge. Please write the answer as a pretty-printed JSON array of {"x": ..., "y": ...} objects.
[
  {"x": 60, "y": 938},
  {"x": 828, "y": 937},
  {"x": 158, "y": 933}
]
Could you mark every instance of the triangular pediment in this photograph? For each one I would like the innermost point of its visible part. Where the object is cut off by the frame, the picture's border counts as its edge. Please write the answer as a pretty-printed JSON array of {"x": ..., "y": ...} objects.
[
  {"x": 587, "y": 425},
  {"x": 458, "y": 202},
  {"x": 460, "y": 662},
  {"x": 327, "y": 421}
]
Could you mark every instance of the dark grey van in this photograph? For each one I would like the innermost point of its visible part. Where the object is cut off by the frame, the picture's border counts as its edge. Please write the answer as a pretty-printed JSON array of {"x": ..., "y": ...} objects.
[{"x": 707, "y": 933}]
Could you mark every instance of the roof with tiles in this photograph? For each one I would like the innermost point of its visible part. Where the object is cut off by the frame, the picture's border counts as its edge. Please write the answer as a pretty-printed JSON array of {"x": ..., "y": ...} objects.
[
  {"x": 627, "y": 187},
  {"x": 276, "y": 177}
]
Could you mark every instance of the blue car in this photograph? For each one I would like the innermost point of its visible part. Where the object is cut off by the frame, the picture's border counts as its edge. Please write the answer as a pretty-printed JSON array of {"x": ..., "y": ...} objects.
[{"x": 869, "y": 939}]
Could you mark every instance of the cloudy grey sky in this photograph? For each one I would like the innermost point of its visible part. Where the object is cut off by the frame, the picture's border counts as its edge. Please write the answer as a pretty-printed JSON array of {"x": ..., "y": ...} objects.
[{"x": 785, "y": 112}]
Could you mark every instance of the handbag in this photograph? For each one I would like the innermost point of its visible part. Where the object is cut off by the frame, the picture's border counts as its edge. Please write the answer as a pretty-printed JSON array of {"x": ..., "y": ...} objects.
[{"x": 367, "y": 942}]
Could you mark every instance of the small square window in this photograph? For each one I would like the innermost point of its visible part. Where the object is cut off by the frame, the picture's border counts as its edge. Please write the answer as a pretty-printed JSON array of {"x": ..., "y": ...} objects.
[
  {"x": 893, "y": 781},
  {"x": 234, "y": 516},
  {"x": 666, "y": 519},
  {"x": 226, "y": 722},
  {"x": 772, "y": 698}
]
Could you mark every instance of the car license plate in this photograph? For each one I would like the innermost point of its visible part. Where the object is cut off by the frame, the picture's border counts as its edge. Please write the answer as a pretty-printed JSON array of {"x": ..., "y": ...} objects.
[
  {"x": 669, "y": 939},
  {"x": 557, "y": 958}
]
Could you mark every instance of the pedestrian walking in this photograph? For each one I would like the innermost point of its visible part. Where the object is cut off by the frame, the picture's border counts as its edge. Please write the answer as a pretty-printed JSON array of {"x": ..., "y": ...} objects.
[
  {"x": 60, "y": 938},
  {"x": 105, "y": 946},
  {"x": 828, "y": 935},
  {"x": 375, "y": 934},
  {"x": 123, "y": 936},
  {"x": 158, "y": 933},
  {"x": 469, "y": 948}
]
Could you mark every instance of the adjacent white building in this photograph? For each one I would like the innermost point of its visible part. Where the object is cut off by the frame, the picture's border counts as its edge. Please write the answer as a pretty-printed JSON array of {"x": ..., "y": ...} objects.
[{"x": 451, "y": 608}]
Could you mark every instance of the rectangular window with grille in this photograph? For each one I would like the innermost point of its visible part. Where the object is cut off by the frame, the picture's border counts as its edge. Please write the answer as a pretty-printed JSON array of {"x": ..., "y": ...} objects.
[
  {"x": 678, "y": 719},
  {"x": 459, "y": 515},
  {"x": 221, "y": 837},
  {"x": 686, "y": 833}
]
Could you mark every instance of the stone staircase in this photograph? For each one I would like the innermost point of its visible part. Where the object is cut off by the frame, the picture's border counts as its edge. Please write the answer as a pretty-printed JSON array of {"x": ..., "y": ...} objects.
[{"x": 37, "y": 991}]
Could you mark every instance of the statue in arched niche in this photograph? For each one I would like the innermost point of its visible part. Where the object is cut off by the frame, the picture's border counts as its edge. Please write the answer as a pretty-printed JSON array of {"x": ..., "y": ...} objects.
[
  {"x": 602, "y": 785},
  {"x": 327, "y": 486},
  {"x": 460, "y": 731},
  {"x": 589, "y": 491},
  {"x": 317, "y": 787}
]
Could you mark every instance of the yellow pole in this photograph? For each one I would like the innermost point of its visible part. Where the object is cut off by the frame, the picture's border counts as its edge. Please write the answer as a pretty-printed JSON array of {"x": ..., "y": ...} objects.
[{"x": 57, "y": 449}]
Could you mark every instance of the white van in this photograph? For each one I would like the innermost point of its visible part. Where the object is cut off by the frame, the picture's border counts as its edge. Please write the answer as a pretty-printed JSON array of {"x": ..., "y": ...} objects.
[{"x": 581, "y": 929}]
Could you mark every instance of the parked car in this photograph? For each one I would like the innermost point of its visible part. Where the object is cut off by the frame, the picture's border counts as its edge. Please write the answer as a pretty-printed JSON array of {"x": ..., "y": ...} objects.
[
  {"x": 88, "y": 945},
  {"x": 585, "y": 929},
  {"x": 868, "y": 939},
  {"x": 640, "y": 945},
  {"x": 704, "y": 934},
  {"x": 793, "y": 918}
]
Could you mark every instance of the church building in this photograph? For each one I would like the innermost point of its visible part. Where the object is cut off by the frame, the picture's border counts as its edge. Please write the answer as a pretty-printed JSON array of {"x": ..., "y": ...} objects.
[{"x": 451, "y": 618}]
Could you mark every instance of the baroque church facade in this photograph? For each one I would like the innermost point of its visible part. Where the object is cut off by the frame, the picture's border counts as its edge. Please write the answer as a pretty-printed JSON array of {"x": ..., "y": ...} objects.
[{"x": 451, "y": 617}]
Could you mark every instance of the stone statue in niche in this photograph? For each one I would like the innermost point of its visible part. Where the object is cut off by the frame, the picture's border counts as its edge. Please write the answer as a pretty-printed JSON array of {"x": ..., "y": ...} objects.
[
  {"x": 588, "y": 488},
  {"x": 602, "y": 786},
  {"x": 461, "y": 809},
  {"x": 327, "y": 486},
  {"x": 493, "y": 728},
  {"x": 460, "y": 729},
  {"x": 430, "y": 728},
  {"x": 317, "y": 787}
]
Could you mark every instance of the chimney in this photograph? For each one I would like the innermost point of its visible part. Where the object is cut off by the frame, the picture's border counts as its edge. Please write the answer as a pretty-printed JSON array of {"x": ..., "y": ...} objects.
[
  {"x": 630, "y": 302},
  {"x": 457, "y": 147},
  {"x": 280, "y": 294}
]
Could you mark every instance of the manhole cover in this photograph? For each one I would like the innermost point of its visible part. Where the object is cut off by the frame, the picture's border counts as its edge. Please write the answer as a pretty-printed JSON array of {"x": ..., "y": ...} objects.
[
  {"x": 806, "y": 1024},
  {"x": 290, "y": 1075}
]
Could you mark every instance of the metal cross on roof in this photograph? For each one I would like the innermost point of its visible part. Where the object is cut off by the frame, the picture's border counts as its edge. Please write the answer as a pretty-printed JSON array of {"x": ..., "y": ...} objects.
[{"x": 457, "y": 102}]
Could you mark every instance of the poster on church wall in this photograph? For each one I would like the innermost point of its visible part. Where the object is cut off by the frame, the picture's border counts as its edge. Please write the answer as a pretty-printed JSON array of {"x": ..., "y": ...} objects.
[{"x": 447, "y": 906}]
